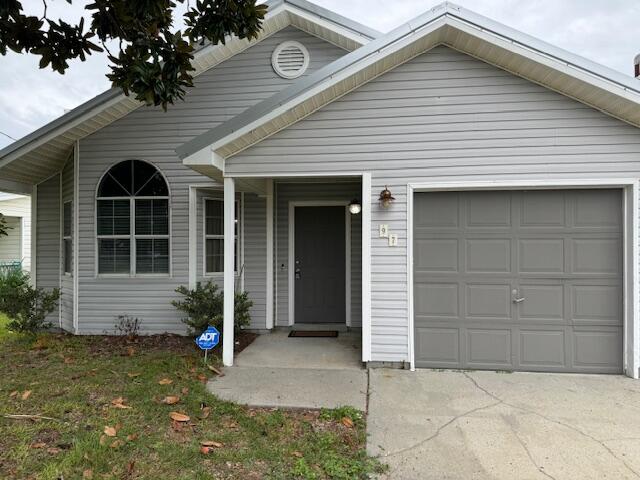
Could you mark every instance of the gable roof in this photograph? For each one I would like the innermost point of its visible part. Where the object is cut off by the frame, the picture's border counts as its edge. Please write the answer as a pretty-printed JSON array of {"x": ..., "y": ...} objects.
[
  {"x": 43, "y": 152},
  {"x": 447, "y": 24}
]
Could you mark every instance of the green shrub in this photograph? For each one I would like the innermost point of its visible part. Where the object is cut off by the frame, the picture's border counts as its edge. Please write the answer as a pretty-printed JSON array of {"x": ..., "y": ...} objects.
[
  {"x": 26, "y": 306},
  {"x": 204, "y": 306}
]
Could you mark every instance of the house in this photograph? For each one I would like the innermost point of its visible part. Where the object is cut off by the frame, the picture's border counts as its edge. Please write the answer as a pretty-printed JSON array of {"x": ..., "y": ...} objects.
[
  {"x": 494, "y": 180},
  {"x": 15, "y": 247}
]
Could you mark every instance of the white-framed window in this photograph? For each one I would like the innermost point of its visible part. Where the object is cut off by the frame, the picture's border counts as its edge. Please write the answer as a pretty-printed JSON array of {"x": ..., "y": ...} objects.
[
  {"x": 67, "y": 239},
  {"x": 213, "y": 212},
  {"x": 132, "y": 221}
]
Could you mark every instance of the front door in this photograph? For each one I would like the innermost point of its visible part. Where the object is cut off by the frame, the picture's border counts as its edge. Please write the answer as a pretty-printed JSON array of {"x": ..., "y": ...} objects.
[{"x": 319, "y": 265}]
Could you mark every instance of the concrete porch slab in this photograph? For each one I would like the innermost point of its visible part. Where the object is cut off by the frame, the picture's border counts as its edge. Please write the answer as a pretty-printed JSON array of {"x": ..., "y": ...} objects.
[
  {"x": 292, "y": 387},
  {"x": 277, "y": 350}
]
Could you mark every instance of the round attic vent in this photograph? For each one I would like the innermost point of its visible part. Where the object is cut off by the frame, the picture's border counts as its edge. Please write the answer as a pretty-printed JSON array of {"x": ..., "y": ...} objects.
[{"x": 290, "y": 59}]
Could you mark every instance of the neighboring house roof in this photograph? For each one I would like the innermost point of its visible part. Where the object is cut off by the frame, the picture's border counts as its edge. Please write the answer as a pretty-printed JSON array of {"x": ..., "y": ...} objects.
[
  {"x": 447, "y": 24},
  {"x": 44, "y": 152}
]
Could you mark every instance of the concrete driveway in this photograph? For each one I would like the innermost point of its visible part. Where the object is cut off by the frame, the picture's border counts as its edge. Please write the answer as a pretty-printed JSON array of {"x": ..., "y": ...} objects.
[{"x": 487, "y": 425}]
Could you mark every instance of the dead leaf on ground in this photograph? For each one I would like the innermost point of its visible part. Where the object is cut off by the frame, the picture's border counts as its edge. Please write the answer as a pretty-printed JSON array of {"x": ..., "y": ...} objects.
[
  {"x": 110, "y": 431},
  {"x": 206, "y": 411},
  {"x": 13, "y": 394},
  {"x": 40, "y": 344},
  {"x": 119, "y": 403},
  {"x": 38, "y": 445},
  {"x": 185, "y": 390},
  {"x": 26, "y": 394},
  {"x": 53, "y": 450},
  {"x": 117, "y": 444},
  {"x": 171, "y": 399},
  {"x": 131, "y": 351},
  {"x": 212, "y": 443},
  {"x": 165, "y": 381},
  {"x": 202, "y": 378},
  {"x": 133, "y": 375},
  {"x": 132, "y": 436},
  {"x": 205, "y": 450},
  {"x": 297, "y": 454},
  {"x": 215, "y": 370},
  {"x": 130, "y": 466},
  {"x": 347, "y": 422},
  {"x": 87, "y": 474},
  {"x": 68, "y": 360},
  {"x": 103, "y": 440},
  {"x": 179, "y": 417}
]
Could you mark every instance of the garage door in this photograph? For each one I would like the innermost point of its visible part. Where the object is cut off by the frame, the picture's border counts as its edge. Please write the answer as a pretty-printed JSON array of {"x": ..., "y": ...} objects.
[{"x": 519, "y": 280}]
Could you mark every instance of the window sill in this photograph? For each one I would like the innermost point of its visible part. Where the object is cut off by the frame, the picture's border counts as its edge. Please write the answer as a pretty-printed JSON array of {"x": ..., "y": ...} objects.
[{"x": 128, "y": 275}]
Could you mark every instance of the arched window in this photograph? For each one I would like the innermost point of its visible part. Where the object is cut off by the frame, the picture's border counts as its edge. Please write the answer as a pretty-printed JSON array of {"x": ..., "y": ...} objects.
[{"x": 132, "y": 224}]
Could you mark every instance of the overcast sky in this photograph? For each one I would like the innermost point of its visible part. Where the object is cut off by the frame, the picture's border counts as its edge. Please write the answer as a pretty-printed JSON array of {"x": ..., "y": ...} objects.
[{"x": 606, "y": 31}]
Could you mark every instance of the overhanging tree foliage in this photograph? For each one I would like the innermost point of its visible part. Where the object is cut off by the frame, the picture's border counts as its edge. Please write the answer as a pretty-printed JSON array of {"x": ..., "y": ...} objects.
[{"x": 152, "y": 60}]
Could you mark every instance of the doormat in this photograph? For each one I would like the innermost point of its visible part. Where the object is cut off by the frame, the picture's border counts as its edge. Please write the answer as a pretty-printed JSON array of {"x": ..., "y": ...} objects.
[{"x": 313, "y": 334}]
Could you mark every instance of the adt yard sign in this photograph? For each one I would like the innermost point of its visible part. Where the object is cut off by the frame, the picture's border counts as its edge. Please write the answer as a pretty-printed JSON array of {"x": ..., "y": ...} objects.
[{"x": 209, "y": 338}]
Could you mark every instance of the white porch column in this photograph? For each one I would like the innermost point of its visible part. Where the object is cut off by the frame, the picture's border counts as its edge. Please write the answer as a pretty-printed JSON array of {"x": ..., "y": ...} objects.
[
  {"x": 269, "y": 280},
  {"x": 366, "y": 267},
  {"x": 229, "y": 267}
]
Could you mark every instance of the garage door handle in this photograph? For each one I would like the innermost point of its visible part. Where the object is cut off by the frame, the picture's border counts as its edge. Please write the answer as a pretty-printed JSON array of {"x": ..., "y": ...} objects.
[{"x": 518, "y": 300}]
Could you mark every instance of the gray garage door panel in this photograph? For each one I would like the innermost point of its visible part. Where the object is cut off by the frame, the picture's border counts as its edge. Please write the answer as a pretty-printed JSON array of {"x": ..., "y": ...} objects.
[{"x": 475, "y": 253}]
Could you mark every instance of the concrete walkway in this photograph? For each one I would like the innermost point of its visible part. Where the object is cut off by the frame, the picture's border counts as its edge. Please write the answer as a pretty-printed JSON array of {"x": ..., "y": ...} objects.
[
  {"x": 278, "y": 371},
  {"x": 487, "y": 425}
]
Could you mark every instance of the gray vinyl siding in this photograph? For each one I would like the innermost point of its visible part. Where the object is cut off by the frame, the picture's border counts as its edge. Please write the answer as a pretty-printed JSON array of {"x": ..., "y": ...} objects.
[
  {"x": 20, "y": 208},
  {"x": 66, "y": 279},
  {"x": 254, "y": 224},
  {"x": 10, "y": 245},
  {"x": 291, "y": 192},
  {"x": 48, "y": 238},
  {"x": 151, "y": 134},
  {"x": 441, "y": 117}
]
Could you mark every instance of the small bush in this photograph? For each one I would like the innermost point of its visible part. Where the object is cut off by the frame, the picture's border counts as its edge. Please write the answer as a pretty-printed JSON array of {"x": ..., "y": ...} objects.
[
  {"x": 127, "y": 326},
  {"x": 27, "y": 307},
  {"x": 204, "y": 306}
]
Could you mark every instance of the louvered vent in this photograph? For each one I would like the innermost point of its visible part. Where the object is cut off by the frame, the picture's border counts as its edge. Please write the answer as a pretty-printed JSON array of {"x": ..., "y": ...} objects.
[{"x": 290, "y": 59}]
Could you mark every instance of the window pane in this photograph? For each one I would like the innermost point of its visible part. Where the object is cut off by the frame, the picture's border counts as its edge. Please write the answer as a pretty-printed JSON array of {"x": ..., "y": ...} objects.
[
  {"x": 152, "y": 255},
  {"x": 109, "y": 187},
  {"x": 152, "y": 217},
  {"x": 114, "y": 255},
  {"x": 214, "y": 255},
  {"x": 113, "y": 217},
  {"x": 155, "y": 187},
  {"x": 68, "y": 252},
  {"x": 66, "y": 214},
  {"x": 214, "y": 217}
]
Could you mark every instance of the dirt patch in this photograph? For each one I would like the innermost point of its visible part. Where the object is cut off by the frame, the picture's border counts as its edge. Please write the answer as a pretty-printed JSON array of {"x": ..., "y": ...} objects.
[{"x": 127, "y": 346}]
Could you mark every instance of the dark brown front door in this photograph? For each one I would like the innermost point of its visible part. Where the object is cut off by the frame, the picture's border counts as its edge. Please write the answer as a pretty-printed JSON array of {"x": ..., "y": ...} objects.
[{"x": 319, "y": 265}]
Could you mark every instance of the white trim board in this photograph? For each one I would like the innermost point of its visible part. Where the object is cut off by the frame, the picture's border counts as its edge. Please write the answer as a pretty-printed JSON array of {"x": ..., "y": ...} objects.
[
  {"x": 630, "y": 188},
  {"x": 292, "y": 245}
]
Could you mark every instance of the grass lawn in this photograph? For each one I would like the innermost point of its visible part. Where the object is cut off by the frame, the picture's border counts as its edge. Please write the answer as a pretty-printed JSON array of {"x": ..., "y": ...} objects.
[{"x": 109, "y": 402}]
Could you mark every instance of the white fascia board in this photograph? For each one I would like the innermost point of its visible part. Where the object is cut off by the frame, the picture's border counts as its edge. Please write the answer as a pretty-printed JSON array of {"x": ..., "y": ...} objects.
[
  {"x": 205, "y": 157},
  {"x": 330, "y": 81},
  {"x": 339, "y": 29}
]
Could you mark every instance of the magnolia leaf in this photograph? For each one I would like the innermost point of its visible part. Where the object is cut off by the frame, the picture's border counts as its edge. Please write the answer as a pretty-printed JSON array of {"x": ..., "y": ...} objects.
[
  {"x": 110, "y": 431},
  {"x": 165, "y": 381},
  {"x": 26, "y": 394},
  {"x": 179, "y": 417},
  {"x": 347, "y": 422},
  {"x": 171, "y": 400},
  {"x": 212, "y": 443}
]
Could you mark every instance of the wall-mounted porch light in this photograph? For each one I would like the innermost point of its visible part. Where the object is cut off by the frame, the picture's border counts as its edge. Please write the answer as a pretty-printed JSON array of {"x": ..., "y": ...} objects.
[
  {"x": 355, "y": 207},
  {"x": 386, "y": 198}
]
